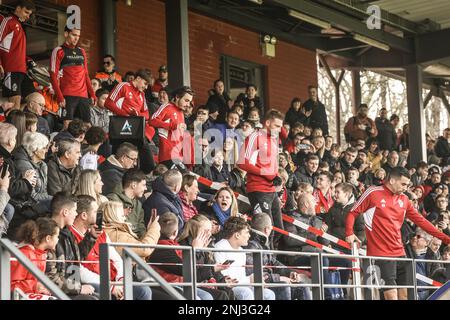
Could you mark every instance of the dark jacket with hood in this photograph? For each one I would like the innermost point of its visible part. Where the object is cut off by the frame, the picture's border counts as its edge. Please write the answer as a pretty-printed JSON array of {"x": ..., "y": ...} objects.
[
  {"x": 111, "y": 172},
  {"x": 442, "y": 149},
  {"x": 302, "y": 175},
  {"x": 163, "y": 200}
]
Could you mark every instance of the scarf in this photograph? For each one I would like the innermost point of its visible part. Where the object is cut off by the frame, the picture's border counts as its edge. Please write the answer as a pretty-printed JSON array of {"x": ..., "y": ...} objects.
[{"x": 221, "y": 215}]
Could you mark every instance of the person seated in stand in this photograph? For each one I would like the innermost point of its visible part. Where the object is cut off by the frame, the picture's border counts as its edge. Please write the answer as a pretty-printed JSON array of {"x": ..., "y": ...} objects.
[{"x": 35, "y": 239}]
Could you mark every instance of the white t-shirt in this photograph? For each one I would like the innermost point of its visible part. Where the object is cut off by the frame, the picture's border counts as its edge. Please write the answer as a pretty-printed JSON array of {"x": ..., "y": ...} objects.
[{"x": 237, "y": 268}]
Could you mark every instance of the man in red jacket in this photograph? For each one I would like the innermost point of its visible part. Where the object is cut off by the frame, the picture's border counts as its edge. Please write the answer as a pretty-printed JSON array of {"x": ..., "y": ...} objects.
[
  {"x": 128, "y": 99},
  {"x": 259, "y": 158},
  {"x": 384, "y": 209},
  {"x": 169, "y": 119},
  {"x": 13, "y": 48},
  {"x": 70, "y": 78}
]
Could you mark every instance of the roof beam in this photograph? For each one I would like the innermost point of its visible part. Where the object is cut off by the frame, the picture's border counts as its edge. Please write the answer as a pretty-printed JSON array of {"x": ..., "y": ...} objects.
[
  {"x": 432, "y": 47},
  {"x": 346, "y": 23}
]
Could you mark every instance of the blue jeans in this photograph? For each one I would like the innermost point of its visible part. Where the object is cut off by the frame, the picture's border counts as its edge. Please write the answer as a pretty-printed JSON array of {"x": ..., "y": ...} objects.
[
  {"x": 139, "y": 293},
  {"x": 248, "y": 293},
  {"x": 9, "y": 212}
]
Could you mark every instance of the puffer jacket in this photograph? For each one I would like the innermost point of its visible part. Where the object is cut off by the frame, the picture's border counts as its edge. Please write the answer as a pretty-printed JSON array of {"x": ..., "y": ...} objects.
[
  {"x": 111, "y": 172},
  {"x": 163, "y": 200},
  {"x": 23, "y": 163},
  {"x": 21, "y": 278},
  {"x": 59, "y": 177},
  {"x": 136, "y": 216},
  {"x": 121, "y": 233}
]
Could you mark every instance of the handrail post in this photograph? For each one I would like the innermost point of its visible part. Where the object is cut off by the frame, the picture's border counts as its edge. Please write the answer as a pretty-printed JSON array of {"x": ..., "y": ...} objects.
[
  {"x": 5, "y": 274},
  {"x": 258, "y": 275},
  {"x": 188, "y": 274},
  {"x": 316, "y": 277},
  {"x": 413, "y": 291},
  {"x": 356, "y": 273},
  {"x": 105, "y": 291},
  {"x": 127, "y": 277}
]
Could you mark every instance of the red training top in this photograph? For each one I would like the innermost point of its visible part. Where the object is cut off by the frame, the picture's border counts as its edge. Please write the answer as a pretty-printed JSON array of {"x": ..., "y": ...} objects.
[{"x": 13, "y": 45}]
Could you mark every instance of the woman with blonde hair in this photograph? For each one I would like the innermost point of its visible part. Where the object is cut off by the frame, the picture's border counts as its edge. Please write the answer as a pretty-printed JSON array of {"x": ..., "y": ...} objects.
[
  {"x": 90, "y": 183},
  {"x": 118, "y": 230},
  {"x": 223, "y": 206}
]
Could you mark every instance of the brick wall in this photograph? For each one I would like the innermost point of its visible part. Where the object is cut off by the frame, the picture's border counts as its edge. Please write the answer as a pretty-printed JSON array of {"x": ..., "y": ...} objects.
[{"x": 141, "y": 42}]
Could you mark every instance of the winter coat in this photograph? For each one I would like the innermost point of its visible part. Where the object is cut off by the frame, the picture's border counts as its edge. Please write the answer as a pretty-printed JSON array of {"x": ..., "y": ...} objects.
[
  {"x": 163, "y": 200},
  {"x": 336, "y": 221},
  {"x": 21, "y": 278},
  {"x": 318, "y": 117},
  {"x": 121, "y": 233},
  {"x": 19, "y": 188},
  {"x": 63, "y": 274},
  {"x": 387, "y": 137},
  {"x": 302, "y": 175},
  {"x": 292, "y": 117},
  {"x": 442, "y": 149},
  {"x": 111, "y": 172},
  {"x": 136, "y": 216},
  {"x": 258, "y": 241},
  {"x": 220, "y": 176},
  {"x": 24, "y": 163},
  {"x": 59, "y": 177},
  {"x": 353, "y": 132},
  {"x": 222, "y": 102}
]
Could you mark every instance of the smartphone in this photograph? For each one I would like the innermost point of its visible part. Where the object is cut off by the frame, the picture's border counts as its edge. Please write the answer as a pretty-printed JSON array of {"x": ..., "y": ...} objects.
[
  {"x": 303, "y": 146},
  {"x": 5, "y": 167},
  {"x": 99, "y": 221},
  {"x": 228, "y": 262}
]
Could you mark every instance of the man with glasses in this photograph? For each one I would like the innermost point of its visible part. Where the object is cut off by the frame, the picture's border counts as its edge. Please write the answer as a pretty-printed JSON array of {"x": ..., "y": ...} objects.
[
  {"x": 70, "y": 78},
  {"x": 109, "y": 77},
  {"x": 36, "y": 104},
  {"x": 128, "y": 99}
]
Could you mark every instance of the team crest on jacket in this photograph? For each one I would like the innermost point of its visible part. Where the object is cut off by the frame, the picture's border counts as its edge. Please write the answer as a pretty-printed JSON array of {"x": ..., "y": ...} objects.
[
  {"x": 175, "y": 116},
  {"x": 400, "y": 203},
  {"x": 130, "y": 95},
  {"x": 383, "y": 203}
]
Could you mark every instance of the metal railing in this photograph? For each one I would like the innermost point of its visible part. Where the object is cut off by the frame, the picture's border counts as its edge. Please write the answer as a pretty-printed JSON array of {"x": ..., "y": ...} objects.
[
  {"x": 7, "y": 248},
  {"x": 189, "y": 266}
]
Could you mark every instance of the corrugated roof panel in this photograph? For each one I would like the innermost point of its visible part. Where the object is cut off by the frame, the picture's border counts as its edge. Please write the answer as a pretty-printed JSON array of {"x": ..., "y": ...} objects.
[{"x": 419, "y": 10}]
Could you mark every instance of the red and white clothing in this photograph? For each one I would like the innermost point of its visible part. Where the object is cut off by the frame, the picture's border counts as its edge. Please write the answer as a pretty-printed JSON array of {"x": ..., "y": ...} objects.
[
  {"x": 21, "y": 278},
  {"x": 384, "y": 213},
  {"x": 13, "y": 45},
  {"x": 157, "y": 86},
  {"x": 166, "y": 119},
  {"x": 90, "y": 272},
  {"x": 69, "y": 73},
  {"x": 323, "y": 201},
  {"x": 259, "y": 157},
  {"x": 126, "y": 100}
]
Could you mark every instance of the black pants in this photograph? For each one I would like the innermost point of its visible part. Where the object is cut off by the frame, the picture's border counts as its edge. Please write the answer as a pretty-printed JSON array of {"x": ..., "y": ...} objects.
[
  {"x": 77, "y": 107},
  {"x": 269, "y": 203}
]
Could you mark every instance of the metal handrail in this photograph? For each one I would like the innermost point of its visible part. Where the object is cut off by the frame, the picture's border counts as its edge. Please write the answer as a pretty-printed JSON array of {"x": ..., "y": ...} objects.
[{"x": 7, "y": 248}]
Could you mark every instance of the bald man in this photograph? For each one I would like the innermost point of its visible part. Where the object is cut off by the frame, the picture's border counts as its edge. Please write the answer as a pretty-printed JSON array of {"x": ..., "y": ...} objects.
[{"x": 36, "y": 104}]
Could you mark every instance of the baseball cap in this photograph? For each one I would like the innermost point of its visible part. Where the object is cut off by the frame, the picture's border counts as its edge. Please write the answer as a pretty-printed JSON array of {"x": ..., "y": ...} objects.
[{"x": 162, "y": 68}]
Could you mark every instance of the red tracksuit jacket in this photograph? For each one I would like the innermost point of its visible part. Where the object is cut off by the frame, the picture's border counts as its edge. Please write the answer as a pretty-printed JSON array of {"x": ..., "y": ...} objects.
[
  {"x": 126, "y": 100},
  {"x": 20, "y": 277},
  {"x": 384, "y": 213},
  {"x": 13, "y": 45},
  {"x": 166, "y": 119},
  {"x": 69, "y": 73},
  {"x": 259, "y": 157}
]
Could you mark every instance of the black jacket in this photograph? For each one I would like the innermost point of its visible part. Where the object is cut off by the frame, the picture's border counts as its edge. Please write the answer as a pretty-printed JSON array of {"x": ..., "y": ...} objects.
[
  {"x": 336, "y": 221},
  {"x": 259, "y": 241},
  {"x": 59, "y": 177},
  {"x": 387, "y": 137},
  {"x": 318, "y": 117},
  {"x": 222, "y": 102},
  {"x": 64, "y": 273},
  {"x": 442, "y": 150},
  {"x": 220, "y": 176},
  {"x": 111, "y": 175},
  {"x": 163, "y": 200},
  {"x": 301, "y": 175},
  {"x": 292, "y": 117}
]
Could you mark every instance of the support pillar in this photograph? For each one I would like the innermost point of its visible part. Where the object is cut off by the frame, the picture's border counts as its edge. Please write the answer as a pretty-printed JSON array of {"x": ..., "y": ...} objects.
[
  {"x": 109, "y": 27},
  {"x": 177, "y": 43},
  {"x": 356, "y": 90},
  {"x": 416, "y": 117}
]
